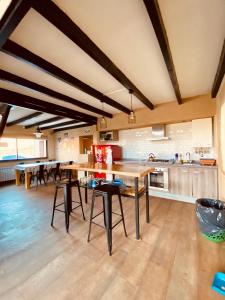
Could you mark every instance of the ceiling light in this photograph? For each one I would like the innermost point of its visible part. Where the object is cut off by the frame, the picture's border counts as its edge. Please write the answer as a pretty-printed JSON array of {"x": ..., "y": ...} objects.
[
  {"x": 131, "y": 116},
  {"x": 0, "y": 117},
  {"x": 103, "y": 121},
  {"x": 38, "y": 133}
]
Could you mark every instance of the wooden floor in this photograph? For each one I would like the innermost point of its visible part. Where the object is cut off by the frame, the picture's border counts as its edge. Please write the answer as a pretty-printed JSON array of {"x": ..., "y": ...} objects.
[{"x": 172, "y": 261}]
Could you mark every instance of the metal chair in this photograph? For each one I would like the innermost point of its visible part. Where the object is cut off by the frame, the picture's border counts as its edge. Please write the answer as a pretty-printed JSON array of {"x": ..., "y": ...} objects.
[
  {"x": 107, "y": 191},
  {"x": 67, "y": 185}
]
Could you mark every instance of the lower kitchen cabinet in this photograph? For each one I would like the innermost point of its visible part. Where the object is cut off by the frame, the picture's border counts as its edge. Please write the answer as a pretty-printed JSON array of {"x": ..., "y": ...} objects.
[
  {"x": 204, "y": 183},
  {"x": 193, "y": 182},
  {"x": 180, "y": 181}
]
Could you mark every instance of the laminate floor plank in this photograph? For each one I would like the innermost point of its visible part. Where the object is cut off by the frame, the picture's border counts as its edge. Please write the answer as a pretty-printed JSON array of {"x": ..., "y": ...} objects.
[{"x": 172, "y": 261}]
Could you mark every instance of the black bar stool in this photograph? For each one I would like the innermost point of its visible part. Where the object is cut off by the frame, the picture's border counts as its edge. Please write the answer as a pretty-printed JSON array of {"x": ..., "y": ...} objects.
[
  {"x": 67, "y": 185},
  {"x": 107, "y": 191}
]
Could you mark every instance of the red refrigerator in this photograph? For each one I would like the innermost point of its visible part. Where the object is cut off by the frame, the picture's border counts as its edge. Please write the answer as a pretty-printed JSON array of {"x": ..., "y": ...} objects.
[{"x": 100, "y": 153}]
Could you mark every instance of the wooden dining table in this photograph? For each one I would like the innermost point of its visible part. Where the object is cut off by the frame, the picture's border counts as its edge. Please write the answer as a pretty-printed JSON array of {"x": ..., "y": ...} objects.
[
  {"x": 29, "y": 168},
  {"x": 136, "y": 172}
]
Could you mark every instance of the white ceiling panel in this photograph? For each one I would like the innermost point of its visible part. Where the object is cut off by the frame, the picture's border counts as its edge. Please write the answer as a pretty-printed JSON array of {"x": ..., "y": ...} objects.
[
  {"x": 65, "y": 126},
  {"x": 57, "y": 122},
  {"x": 123, "y": 31},
  {"x": 40, "y": 118},
  {"x": 17, "y": 112},
  {"x": 27, "y": 71},
  {"x": 37, "y": 95},
  {"x": 39, "y": 36},
  {"x": 196, "y": 30},
  {"x": 4, "y": 4}
]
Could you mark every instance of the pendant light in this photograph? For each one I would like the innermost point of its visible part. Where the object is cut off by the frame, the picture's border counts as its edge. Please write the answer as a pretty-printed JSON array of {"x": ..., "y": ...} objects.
[
  {"x": 131, "y": 116},
  {"x": 103, "y": 121},
  {"x": 38, "y": 133}
]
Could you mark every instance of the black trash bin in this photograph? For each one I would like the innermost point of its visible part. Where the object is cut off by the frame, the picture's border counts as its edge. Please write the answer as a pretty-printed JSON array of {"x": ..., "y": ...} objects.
[{"x": 211, "y": 217}]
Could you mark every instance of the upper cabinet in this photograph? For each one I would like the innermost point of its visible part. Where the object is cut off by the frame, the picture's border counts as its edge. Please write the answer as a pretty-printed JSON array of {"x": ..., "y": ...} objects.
[{"x": 202, "y": 134}]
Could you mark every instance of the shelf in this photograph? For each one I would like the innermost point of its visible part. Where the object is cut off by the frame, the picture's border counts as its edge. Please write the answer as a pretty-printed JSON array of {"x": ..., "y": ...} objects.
[{"x": 112, "y": 135}]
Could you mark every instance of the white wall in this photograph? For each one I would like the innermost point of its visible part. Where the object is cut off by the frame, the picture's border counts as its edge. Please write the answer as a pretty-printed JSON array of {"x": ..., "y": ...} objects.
[
  {"x": 136, "y": 142},
  {"x": 68, "y": 147}
]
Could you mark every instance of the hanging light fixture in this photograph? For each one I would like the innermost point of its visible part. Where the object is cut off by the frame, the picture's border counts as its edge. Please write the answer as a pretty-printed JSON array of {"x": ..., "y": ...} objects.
[
  {"x": 131, "y": 116},
  {"x": 103, "y": 121},
  {"x": 38, "y": 133}
]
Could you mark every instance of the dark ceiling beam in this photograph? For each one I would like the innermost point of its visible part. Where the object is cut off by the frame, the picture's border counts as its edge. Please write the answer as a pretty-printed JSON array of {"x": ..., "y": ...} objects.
[
  {"x": 73, "y": 127},
  {"x": 20, "y": 120},
  {"x": 4, "y": 113},
  {"x": 15, "y": 12},
  {"x": 50, "y": 11},
  {"x": 4, "y": 75},
  {"x": 58, "y": 125},
  {"x": 154, "y": 13},
  {"x": 219, "y": 73},
  {"x": 17, "y": 99},
  {"x": 23, "y": 54},
  {"x": 50, "y": 120}
]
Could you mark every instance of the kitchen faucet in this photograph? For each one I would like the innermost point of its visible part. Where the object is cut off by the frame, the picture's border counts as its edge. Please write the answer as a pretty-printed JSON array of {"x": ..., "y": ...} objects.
[{"x": 189, "y": 155}]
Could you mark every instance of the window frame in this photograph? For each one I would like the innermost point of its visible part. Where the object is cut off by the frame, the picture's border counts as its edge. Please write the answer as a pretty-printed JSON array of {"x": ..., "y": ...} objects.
[{"x": 25, "y": 159}]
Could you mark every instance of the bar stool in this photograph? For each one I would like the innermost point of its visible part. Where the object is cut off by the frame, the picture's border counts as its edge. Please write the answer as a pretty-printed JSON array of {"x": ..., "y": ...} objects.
[
  {"x": 107, "y": 191},
  {"x": 67, "y": 185}
]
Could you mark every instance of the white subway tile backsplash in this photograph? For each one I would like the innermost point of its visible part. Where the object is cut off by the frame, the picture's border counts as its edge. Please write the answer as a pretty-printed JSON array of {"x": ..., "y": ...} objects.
[{"x": 136, "y": 143}]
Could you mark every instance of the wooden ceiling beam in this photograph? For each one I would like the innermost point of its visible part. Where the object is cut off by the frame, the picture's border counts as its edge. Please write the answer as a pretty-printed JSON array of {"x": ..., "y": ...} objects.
[
  {"x": 4, "y": 75},
  {"x": 219, "y": 73},
  {"x": 23, "y": 54},
  {"x": 58, "y": 125},
  {"x": 74, "y": 127},
  {"x": 20, "y": 120},
  {"x": 50, "y": 11},
  {"x": 14, "y": 98},
  {"x": 15, "y": 12},
  {"x": 155, "y": 16},
  {"x": 50, "y": 120},
  {"x": 4, "y": 113}
]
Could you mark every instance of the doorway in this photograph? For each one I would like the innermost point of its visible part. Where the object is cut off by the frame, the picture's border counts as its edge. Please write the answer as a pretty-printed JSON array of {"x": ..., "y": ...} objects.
[{"x": 85, "y": 144}]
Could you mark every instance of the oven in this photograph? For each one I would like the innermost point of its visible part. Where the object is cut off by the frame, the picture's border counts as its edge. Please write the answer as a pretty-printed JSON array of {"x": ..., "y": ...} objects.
[{"x": 158, "y": 179}]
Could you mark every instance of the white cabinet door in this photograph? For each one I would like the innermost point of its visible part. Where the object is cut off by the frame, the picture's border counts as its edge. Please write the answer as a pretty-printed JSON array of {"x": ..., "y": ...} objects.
[{"x": 202, "y": 132}]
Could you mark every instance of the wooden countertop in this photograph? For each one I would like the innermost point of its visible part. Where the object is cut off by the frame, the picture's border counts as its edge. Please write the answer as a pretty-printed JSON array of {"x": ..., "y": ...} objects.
[
  {"x": 117, "y": 169},
  {"x": 163, "y": 165}
]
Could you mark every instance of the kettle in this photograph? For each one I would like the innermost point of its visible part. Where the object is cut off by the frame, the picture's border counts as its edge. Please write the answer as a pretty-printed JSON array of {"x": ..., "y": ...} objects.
[{"x": 151, "y": 156}]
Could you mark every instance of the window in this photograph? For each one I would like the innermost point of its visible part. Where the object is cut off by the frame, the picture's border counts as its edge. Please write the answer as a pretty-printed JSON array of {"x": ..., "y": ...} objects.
[
  {"x": 8, "y": 149},
  {"x": 11, "y": 148}
]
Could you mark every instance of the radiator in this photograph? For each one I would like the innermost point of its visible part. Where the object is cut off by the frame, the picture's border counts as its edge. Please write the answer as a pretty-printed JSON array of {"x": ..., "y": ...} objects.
[{"x": 7, "y": 174}]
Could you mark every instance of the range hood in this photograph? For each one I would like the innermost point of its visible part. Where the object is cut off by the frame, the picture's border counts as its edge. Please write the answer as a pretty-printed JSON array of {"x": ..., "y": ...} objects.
[{"x": 158, "y": 133}]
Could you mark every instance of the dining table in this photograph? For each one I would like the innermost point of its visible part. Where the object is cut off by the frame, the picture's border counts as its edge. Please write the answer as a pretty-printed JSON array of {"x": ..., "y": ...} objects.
[
  {"x": 31, "y": 167},
  {"x": 135, "y": 171}
]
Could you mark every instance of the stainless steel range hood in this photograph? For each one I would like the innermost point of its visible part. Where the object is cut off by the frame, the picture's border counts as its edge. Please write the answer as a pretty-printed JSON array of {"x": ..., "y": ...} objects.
[{"x": 158, "y": 133}]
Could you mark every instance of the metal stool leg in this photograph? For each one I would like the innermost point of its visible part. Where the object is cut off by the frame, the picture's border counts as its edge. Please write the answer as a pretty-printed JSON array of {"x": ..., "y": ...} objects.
[
  {"x": 92, "y": 210},
  {"x": 67, "y": 205},
  {"x": 108, "y": 215},
  {"x": 81, "y": 203},
  {"x": 121, "y": 210},
  {"x": 54, "y": 203},
  {"x": 103, "y": 210}
]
